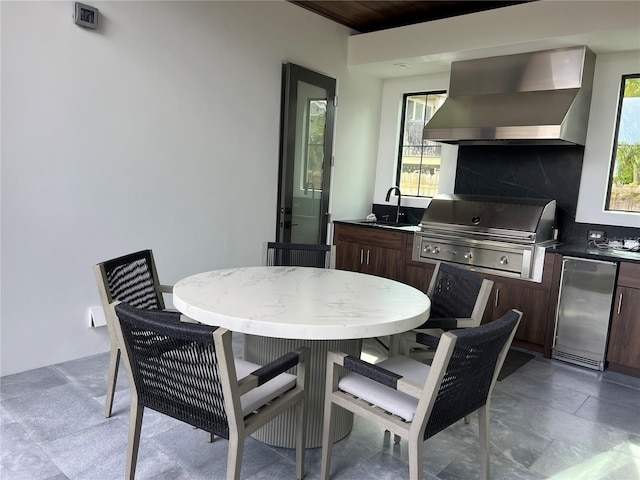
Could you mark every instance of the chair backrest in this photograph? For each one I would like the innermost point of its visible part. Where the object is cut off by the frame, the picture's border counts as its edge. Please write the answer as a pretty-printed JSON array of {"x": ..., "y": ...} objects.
[
  {"x": 458, "y": 293},
  {"x": 175, "y": 367},
  {"x": 464, "y": 371},
  {"x": 132, "y": 279},
  {"x": 298, "y": 255}
]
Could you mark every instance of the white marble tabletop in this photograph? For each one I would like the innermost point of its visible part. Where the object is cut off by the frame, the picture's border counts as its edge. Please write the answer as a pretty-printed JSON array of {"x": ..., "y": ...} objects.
[{"x": 301, "y": 302}]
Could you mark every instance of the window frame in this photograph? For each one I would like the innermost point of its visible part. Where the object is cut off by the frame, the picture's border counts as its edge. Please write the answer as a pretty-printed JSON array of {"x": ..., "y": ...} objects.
[
  {"x": 614, "y": 151},
  {"x": 401, "y": 145}
]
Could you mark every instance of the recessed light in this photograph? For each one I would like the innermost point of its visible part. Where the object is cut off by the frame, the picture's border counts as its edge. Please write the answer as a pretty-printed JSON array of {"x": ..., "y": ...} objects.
[{"x": 402, "y": 65}]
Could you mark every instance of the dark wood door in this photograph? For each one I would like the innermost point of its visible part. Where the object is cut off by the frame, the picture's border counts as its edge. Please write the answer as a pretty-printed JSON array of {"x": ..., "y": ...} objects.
[
  {"x": 531, "y": 302},
  {"x": 348, "y": 256},
  {"x": 419, "y": 276},
  {"x": 383, "y": 262},
  {"x": 624, "y": 347}
]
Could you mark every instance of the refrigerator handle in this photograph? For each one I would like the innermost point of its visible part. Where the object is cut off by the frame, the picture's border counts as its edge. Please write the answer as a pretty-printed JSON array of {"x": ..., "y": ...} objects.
[
  {"x": 555, "y": 327},
  {"x": 620, "y": 303}
]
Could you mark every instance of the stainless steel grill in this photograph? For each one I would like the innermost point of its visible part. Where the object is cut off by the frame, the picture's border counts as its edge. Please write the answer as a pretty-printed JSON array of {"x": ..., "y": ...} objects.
[{"x": 498, "y": 235}]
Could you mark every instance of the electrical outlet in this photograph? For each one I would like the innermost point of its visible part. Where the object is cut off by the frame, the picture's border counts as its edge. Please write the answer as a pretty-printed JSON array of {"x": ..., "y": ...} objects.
[{"x": 597, "y": 235}]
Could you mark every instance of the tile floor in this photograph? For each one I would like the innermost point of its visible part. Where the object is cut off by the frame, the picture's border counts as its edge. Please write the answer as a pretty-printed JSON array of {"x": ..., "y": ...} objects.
[{"x": 548, "y": 420}]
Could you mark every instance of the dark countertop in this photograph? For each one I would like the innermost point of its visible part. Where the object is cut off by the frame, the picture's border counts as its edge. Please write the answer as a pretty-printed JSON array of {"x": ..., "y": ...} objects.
[
  {"x": 365, "y": 224},
  {"x": 569, "y": 249},
  {"x": 582, "y": 250}
]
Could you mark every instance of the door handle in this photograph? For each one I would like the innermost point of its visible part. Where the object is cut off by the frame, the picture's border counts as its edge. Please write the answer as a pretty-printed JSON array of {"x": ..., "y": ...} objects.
[
  {"x": 497, "y": 294},
  {"x": 361, "y": 256},
  {"x": 368, "y": 255}
]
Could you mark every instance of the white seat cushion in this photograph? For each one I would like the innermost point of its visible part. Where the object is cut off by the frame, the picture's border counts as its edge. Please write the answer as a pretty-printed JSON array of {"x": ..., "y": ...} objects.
[
  {"x": 257, "y": 397},
  {"x": 387, "y": 398}
]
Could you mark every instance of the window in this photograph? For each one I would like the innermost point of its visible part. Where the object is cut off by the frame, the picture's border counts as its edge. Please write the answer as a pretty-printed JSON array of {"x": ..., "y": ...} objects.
[
  {"x": 624, "y": 178},
  {"x": 315, "y": 126},
  {"x": 418, "y": 160}
]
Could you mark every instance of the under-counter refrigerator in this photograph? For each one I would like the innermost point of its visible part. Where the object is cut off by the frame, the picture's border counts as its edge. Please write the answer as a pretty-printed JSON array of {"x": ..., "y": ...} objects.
[{"x": 584, "y": 310}]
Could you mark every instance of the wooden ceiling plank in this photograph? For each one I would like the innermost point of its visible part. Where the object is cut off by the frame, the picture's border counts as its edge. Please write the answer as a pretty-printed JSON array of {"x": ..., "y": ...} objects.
[{"x": 368, "y": 16}]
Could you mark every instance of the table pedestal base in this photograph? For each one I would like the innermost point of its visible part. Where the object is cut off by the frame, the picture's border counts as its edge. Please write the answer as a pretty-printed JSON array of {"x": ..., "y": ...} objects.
[{"x": 280, "y": 432}]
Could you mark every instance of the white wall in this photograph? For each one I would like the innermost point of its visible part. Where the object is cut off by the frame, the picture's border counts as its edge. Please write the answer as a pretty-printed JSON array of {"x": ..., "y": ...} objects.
[
  {"x": 603, "y": 25},
  {"x": 160, "y": 130},
  {"x": 600, "y": 137},
  {"x": 608, "y": 27},
  {"x": 352, "y": 186},
  {"x": 391, "y": 112}
]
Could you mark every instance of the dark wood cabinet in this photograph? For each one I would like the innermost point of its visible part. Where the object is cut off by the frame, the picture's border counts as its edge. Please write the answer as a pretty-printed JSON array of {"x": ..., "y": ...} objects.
[
  {"x": 623, "y": 352},
  {"x": 387, "y": 253},
  {"x": 367, "y": 250},
  {"x": 536, "y": 301},
  {"x": 533, "y": 305}
]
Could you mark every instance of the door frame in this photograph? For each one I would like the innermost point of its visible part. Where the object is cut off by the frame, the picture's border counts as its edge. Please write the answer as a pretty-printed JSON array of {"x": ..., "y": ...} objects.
[{"x": 291, "y": 74}]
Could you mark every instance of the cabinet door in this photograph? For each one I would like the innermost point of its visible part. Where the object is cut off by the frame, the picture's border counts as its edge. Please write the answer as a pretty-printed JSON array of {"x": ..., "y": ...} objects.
[
  {"x": 624, "y": 347},
  {"x": 348, "y": 255},
  {"x": 368, "y": 250},
  {"x": 532, "y": 303},
  {"x": 419, "y": 276},
  {"x": 383, "y": 262}
]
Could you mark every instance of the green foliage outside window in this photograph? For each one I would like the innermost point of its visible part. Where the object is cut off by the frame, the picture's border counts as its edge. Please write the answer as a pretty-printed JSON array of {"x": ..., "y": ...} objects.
[
  {"x": 315, "y": 146},
  {"x": 624, "y": 182}
]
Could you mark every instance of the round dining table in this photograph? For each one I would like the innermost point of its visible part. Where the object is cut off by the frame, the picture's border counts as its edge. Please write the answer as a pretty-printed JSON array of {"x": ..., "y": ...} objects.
[{"x": 282, "y": 308}]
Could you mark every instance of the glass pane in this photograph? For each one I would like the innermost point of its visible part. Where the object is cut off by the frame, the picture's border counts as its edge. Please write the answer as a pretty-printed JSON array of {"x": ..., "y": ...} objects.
[
  {"x": 308, "y": 167},
  {"x": 624, "y": 181},
  {"x": 315, "y": 146},
  {"x": 419, "y": 171}
]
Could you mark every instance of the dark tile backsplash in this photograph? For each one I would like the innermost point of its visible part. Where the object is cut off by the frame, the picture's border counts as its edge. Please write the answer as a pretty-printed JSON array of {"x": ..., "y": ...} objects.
[
  {"x": 409, "y": 214},
  {"x": 531, "y": 172},
  {"x": 551, "y": 172}
]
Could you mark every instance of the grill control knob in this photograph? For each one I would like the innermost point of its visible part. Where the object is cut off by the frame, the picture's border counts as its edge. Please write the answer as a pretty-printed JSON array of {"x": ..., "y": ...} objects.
[
  {"x": 426, "y": 249},
  {"x": 468, "y": 255},
  {"x": 436, "y": 249},
  {"x": 504, "y": 260}
]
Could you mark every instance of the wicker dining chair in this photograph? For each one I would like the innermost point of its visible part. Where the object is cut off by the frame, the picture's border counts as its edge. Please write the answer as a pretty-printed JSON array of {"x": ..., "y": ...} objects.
[
  {"x": 458, "y": 300},
  {"x": 187, "y": 371},
  {"x": 298, "y": 254},
  {"x": 415, "y": 401},
  {"x": 132, "y": 278}
]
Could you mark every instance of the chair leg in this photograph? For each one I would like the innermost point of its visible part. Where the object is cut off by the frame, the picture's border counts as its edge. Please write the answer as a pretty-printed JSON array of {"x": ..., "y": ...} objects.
[
  {"x": 301, "y": 438},
  {"x": 416, "y": 459},
  {"x": 394, "y": 345},
  {"x": 135, "y": 426},
  {"x": 483, "y": 427},
  {"x": 327, "y": 435},
  {"x": 234, "y": 458},
  {"x": 112, "y": 378}
]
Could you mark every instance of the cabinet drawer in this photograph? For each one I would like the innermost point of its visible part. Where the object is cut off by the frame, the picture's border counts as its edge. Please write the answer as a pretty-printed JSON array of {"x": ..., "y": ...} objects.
[
  {"x": 629, "y": 275},
  {"x": 369, "y": 236}
]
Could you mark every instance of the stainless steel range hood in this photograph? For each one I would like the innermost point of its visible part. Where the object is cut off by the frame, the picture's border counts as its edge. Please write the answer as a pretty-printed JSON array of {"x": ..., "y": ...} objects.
[{"x": 538, "y": 98}]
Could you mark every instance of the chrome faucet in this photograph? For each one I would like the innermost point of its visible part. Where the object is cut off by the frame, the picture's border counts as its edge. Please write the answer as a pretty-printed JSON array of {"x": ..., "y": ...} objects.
[{"x": 397, "y": 189}]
